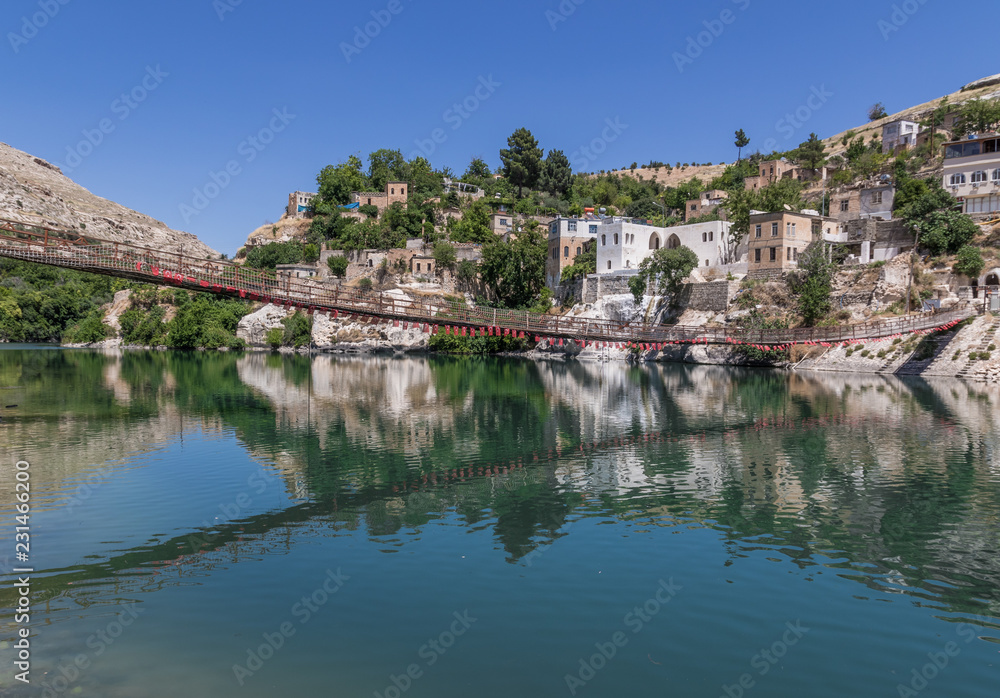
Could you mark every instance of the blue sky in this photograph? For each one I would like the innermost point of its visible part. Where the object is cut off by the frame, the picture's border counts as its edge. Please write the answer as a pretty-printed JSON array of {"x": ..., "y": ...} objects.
[{"x": 175, "y": 93}]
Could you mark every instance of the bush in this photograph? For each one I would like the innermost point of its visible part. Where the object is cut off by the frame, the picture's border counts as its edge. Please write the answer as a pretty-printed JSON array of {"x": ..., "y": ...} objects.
[
  {"x": 338, "y": 265},
  {"x": 365, "y": 284},
  {"x": 89, "y": 330},
  {"x": 969, "y": 262},
  {"x": 298, "y": 330},
  {"x": 275, "y": 337}
]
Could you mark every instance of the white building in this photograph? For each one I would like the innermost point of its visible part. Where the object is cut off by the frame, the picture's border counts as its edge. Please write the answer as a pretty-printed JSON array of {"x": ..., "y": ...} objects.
[
  {"x": 972, "y": 172},
  {"x": 623, "y": 245},
  {"x": 899, "y": 134}
]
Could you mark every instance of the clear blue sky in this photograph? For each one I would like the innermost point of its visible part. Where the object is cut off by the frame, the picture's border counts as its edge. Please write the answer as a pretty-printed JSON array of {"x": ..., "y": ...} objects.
[{"x": 215, "y": 71}]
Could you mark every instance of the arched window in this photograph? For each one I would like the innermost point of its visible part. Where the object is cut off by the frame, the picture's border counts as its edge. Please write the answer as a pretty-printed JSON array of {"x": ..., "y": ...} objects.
[
  {"x": 604, "y": 240},
  {"x": 654, "y": 242},
  {"x": 704, "y": 237},
  {"x": 609, "y": 264},
  {"x": 566, "y": 252},
  {"x": 578, "y": 250},
  {"x": 371, "y": 263},
  {"x": 673, "y": 243},
  {"x": 711, "y": 236},
  {"x": 978, "y": 176},
  {"x": 393, "y": 190},
  {"x": 957, "y": 179},
  {"x": 706, "y": 263},
  {"x": 616, "y": 238}
]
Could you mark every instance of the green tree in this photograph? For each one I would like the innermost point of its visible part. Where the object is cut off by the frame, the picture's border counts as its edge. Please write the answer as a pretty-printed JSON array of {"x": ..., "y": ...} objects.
[
  {"x": 384, "y": 166},
  {"x": 977, "y": 116},
  {"x": 369, "y": 210},
  {"x": 877, "y": 111},
  {"x": 338, "y": 265},
  {"x": 742, "y": 141},
  {"x": 514, "y": 272},
  {"x": 522, "y": 160},
  {"x": 275, "y": 337},
  {"x": 557, "y": 175},
  {"x": 585, "y": 263},
  {"x": 969, "y": 262},
  {"x": 663, "y": 273},
  {"x": 336, "y": 182},
  {"x": 474, "y": 225},
  {"x": 444, "y": 255},
  {"x": 813, "y": 283},
  {"x": 477, "y": 172},
  {"x": 468, "y": 272},
  {"x": 811, "y": 153},
  {"x": 274, "y": 253},
  {"x": 945, "y": 230},
  {"x": 298, "y": 330}
]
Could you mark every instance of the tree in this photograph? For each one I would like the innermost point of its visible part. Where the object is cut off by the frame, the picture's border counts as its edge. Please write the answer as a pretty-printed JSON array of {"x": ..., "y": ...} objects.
[
  {"x": 477, "y": 171},
  {"x": 663, "y": 272},
  {"x": 444, "y": 255},
  {"x": 813, "y": 283},
  {"x": 742, "y": 141},
  {"x": 474, "y": 225},
  {"x": 877, "y": 111},
  {"x": 936, "y": 118},
  {"x": 969, "y": 262},
  {"x": 945, "y": 231},
  {"x": 383, "y": 166},
  {"x": 557, "y": 175},
  {"x": 337, "y": 182},
  {"x": 467, "y": 272},
  {"x": 585, "y": 263},
  {"x": 338, "y": 265},
  {"x": 811, "y": 153},
  {"x": 977, "y": 116},
  {"x": 522, "y": 160},
  {"x": 514, "y": 272}
]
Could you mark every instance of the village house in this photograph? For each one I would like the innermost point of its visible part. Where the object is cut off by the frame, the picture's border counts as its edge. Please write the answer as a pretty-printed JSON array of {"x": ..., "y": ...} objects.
[
  {"x": 395, "y": 192},
  {"x": 299, "y": 203},
  {"x": 772, "y": 171},
  {"x": 297, "y": 271},
  {"x": 872, "y": 199},
  {"x": 567, "y": 236},
  {"x": 708, "y": 203},
  {"x": 777, "y": 239},
  {"x": 899, "y": 135},
  {"x": 972, "y": 173},
  {"x": 622, "y": 245}
]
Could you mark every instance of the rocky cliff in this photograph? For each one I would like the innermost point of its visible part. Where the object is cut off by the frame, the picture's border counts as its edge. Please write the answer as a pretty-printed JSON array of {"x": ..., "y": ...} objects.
[{"x": 34, "y": 191}]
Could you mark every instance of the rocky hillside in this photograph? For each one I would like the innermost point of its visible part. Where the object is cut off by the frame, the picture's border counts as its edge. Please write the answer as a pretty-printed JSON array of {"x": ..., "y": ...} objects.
[{"x": 34, "y": 191}]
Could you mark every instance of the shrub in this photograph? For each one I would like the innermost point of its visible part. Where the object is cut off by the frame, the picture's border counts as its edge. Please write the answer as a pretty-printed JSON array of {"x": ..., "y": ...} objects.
[
  {"x": 298, "y": 330},
  {"x": 89, "y": 330},
  {"x": 338, "y": 265},
  {"x": 365, "y": 284},
  {"x": 274, "y": 337}
]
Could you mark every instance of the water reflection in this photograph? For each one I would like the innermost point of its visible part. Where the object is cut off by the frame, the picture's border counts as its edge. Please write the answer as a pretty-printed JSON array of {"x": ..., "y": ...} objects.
[{"x": 892, "y": 483}]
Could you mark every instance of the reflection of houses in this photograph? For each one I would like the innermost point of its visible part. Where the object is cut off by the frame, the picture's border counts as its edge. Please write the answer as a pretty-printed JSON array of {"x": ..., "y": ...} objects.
[
  {"x": 298, "y": 204},
  {"x": 972, "y": 173}
]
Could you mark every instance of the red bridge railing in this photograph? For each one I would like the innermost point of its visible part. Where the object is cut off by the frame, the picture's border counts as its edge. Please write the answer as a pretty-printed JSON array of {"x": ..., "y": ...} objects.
[{"x": 72, "y": 250}]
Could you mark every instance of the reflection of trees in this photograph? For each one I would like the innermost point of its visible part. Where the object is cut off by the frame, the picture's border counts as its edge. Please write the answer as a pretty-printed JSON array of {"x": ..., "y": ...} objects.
[{"x": 875, "y": 471}]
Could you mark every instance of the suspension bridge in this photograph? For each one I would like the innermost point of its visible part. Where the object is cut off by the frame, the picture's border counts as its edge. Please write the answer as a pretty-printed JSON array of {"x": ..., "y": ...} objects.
[{"x": 72, "y": 250}]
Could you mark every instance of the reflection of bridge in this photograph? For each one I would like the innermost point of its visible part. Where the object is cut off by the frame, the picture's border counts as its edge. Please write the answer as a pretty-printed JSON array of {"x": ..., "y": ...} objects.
[{"x": 68, "y": 249}]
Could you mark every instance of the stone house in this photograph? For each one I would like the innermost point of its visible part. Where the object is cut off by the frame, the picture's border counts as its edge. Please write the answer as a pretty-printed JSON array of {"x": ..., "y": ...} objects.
[
  {"x": 707, "y": 203},
  {"x": 777, "y": 239},
  {"x": 395, "y": 192},
  {"x": 298, "y": 204},
  {"x": 567, "y": 237}
]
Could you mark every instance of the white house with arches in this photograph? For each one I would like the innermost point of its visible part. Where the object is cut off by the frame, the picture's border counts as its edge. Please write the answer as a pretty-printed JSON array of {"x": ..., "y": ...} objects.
[{"x": 622, "y": 245}]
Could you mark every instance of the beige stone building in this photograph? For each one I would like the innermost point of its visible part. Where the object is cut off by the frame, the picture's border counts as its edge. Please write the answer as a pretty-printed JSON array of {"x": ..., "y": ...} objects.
[
  {"x": 395, "y": 192},
  {"x": 298, "y": 204},
  {"x": 777, "y": 240},
  {"x": 709, "y": 202}
]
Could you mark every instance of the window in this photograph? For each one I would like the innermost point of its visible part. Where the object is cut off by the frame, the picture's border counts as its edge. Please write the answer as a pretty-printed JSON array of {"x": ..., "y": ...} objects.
[
  {"x": 774, "y": 254},
  {"x": 566, "y": 252},
  {"x": 711, "y": 236},
  {"x": 789, "y": 255},
  {"x": 978, "y": 176},
  {"x": 393, "y": 190},
  {"x": 418, "y": 266},
  {"x": 957, "y": 179},
  {"x": 844, "y": 205},
  {"x": 694, "y": 207},
  {"x": 503, "y": 221},
  {"x": 774, "y": 230},
  {"x": 795, "y": 254},
  {"x": 793, "y": 230},
  {"x": 616, "y": 238},
  {"x": 876, "y": 197},
  {"x": 757, "y": 231},
  {"x": 369, "y": 202},
  {"x": 593, "y": 230},
  {"x": 756, "y": 255},
  {"x": 402, "y": 191},
  {"x": 604, "y": 240},
  {"x": 996, "y": 175},
  {"x": 578, "y": 250},
  {"x": 609, "y": 264},
  {"x": 788, "y": 229},
  {"x": 704, "y": 237},
  {"x": 572, "y": 226},
  {"x": 706, "y": 263}
]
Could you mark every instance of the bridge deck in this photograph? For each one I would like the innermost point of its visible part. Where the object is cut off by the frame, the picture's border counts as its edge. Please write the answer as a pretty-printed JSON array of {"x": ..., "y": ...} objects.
[{"x": 71, "y": 250}]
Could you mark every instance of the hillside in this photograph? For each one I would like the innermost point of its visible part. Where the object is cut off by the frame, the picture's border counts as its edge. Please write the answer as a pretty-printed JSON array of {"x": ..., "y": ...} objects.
[
  {"x": 673, "y": 177},
  {"x": 34, "y": 191}
]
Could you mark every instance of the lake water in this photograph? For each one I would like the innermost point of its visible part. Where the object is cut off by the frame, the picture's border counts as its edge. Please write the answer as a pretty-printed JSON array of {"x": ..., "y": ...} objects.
[{"x": 252, "y": 525}]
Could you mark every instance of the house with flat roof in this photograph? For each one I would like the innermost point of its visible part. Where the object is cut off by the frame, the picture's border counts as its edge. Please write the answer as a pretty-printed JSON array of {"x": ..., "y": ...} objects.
[
  {"x": 567, "y": 237},
  {"x": 395, "y": 192},
  {"x": 777, "y": 239},
  {"x": 299, "y": 203},
  {"x": 972, "y": 172},
  {"x": 708, "y": 202},
  {"x": 899, "y": 135}
]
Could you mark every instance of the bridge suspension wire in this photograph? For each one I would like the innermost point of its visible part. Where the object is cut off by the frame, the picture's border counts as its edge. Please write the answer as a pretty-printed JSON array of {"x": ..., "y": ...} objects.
[{"x": 68, "y": 249}]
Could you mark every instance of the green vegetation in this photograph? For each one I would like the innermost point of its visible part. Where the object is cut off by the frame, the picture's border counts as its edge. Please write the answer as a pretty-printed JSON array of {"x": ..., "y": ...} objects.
[
  {"x": 444, "y": 255},
  {"x": 205, "y": 321},
  {"x": 298, "y": 330},
  {"x": 741, "y": 142},
  {"x": 522, "y": 160},
  {"x": 663, "y": 273},
  {"x": 514, "y": 272},
  {"x": 457, "y": 344},
  {"x": 977, "y": 116},
  {"x": 338, "y": 265},
  {"x": 585, "y": 263},
  {"x": 969, "y": 262},
  {"x": 812, "y": 284}
]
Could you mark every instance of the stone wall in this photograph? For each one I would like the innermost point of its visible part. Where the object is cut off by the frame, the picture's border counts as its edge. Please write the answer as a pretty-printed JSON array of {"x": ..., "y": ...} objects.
[
  {"x": 599, "y": 285},
  {"x": 712, "y": 296}
]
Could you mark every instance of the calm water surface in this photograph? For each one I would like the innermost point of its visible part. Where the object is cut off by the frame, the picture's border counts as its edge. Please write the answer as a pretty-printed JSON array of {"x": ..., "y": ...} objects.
[{"x": 226, "y": 525}]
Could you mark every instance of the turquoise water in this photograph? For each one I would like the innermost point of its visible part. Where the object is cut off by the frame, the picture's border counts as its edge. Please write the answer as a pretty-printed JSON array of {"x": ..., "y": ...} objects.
[{"x": 226, "y": 525}]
